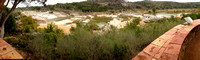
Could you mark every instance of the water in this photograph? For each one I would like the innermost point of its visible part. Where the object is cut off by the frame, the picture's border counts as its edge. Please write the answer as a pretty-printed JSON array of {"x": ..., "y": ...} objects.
[
  {"x": 101, "y": 24},
  {"x": 168, "y": 14}
]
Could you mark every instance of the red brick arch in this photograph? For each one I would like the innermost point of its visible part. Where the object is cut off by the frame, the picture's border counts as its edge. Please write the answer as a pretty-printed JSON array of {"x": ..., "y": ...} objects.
[{"x": 168, "y": 45}]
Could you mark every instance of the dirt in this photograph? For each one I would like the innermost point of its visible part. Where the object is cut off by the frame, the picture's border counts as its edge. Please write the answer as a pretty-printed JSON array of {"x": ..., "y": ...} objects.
[{"x": 191, "y": 47}]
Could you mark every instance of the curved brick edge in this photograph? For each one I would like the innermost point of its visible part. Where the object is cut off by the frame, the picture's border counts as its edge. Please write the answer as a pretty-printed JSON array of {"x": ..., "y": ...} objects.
[
  {"x": 168, "y": 45},
  {"x": 7, "y": 51}
]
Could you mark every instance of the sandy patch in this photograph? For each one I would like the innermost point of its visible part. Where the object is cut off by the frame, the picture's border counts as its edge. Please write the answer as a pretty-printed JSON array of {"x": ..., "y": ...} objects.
[{"x": 66, "y": 29}]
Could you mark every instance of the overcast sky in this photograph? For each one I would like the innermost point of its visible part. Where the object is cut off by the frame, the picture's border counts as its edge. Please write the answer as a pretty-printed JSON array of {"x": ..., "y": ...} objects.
[{"x": 70, "y": 1}]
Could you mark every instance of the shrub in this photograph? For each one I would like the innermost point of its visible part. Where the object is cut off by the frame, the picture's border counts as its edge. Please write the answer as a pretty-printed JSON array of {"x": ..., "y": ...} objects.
[
  {"x": 80, "y": 13},
  {"x": 91, "y": 26},
  {"x": 193, "y": 16},
  {"x": 46, "y": 43},
  {"x": 133, "y": 24},
  {"x": 81, "y": 44},
  {"x": 102, "y": 19},
  {"x": 28, "y": 24},
  {"x": 125, "y": 17},
  {"x": 154, "y": 11}
]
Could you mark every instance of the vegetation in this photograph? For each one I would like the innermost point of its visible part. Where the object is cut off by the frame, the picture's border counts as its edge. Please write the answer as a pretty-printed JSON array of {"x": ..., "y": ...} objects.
[
  {"x": 102, "y": 19},
  {"x": 113, "y": 1},
  {"x": 193, "y": 16},
  {"x": 154, "y": 11},
  {"x": 3, "y": 6},
  {"x": 11, "y": 26},
  {"x": 125, "y": 17},
  {"x": 110, "y": 6},
  {"x": 82, "y": 44},
  {"x": 28, "y": 24}
]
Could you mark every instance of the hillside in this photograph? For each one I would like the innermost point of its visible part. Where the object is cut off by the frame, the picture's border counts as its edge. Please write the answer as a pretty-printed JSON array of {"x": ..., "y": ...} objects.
[{"x": 101, "y": 7}]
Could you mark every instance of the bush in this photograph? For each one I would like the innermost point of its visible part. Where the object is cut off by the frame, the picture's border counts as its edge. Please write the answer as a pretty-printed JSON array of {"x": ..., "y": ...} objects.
[
  {"x": 133, "y": 24},
  {"x": 193, "y": 16},
  {"x": 125, "y": 17},
  {"x": 102, "y": 19},
  {"x": 81, "y": 44},
  {"x": 28, "y": 24},
  {"x": 154, "y": 11},
  {"x": 46, "y": 43},
  {"x": 91, "y": 26}
]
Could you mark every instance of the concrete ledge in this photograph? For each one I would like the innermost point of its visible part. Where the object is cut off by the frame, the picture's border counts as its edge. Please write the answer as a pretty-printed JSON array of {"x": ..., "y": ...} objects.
[{"x": 168, "y": 45}]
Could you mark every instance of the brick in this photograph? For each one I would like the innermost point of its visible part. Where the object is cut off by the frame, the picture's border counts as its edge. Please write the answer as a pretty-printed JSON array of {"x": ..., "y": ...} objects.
[
  {"x": 142, "y": 56},
  {"x": 159, "y": 42},
  {"x": 159, "y": 53},
  {"x": 195, "y": 23},
  {"x": 168, "y": 57},
  {"x": 153, "y": 59},
  {"x": 177, "y": 40},
  {"x": 178, "y": 27},
  {"x": 1, "y": 57},
  {"x": 166, "y": 44},
  {"x": 171, "y": 31},
  {"x": 184, "y": 31},
  {"x": 2, "y": 42},
  {"x": 173, "y": 49},
  {"x": 183, "y": 35},
  {"x": 166, "y": 37},
  {"x": 12, "y": 55},
  {"x": 151, "y": 49},
  {"x": 5, "y": 49}
]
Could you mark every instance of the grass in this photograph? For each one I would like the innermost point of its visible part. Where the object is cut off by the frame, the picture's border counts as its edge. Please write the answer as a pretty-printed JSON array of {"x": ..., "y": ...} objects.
[
  {"x": 59, "y": 19},
  {"x": 102, "y": 19},
  {"x": 125, "y": 17},
  {"x": 81, "y": 44}
]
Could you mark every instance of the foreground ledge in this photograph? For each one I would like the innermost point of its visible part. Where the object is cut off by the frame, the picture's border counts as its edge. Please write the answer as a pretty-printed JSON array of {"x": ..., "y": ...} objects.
[
  {"x": 7, "y": 51},
  {"x": 168, "y": 45}
]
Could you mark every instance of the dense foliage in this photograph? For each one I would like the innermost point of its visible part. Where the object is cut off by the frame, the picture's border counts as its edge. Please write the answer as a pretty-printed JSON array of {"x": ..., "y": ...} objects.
[
  {"x": 82, "y": 44},
  {"x": 10, "y": 25},
  {"x": 193, "y": 15},
  {"x": 28, "y": 24}
]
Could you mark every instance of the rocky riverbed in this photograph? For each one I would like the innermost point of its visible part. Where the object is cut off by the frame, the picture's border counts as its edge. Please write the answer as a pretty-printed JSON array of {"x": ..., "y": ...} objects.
[{"x": 65, "y": 21}]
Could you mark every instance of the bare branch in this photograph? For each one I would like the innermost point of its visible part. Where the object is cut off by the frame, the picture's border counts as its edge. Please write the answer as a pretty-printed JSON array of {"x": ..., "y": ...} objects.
[
  {"x": 7, "y": 3},
  {"x": 1, "y": 8},
  {"x": 1, "y": 4},
  {"x": 12, "y": 9}
]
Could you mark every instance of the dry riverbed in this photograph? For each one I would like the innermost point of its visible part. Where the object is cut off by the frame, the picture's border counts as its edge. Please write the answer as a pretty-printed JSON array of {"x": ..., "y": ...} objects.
[{"x": 65, "y": 21}]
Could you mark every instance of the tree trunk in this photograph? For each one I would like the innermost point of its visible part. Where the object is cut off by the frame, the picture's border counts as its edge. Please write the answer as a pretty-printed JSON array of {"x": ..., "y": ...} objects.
[
  {"x": 2, "y": 21},
  {"x": 2, "y": 31},
  {"x": 1, "y": 11}
]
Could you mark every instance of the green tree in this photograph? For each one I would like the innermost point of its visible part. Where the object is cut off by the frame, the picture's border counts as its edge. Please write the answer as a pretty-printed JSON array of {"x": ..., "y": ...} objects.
[
  {"x": 11, "y": 25},
  {"x": 15, "y": 3},
  {"x": 154, "y": 11}
]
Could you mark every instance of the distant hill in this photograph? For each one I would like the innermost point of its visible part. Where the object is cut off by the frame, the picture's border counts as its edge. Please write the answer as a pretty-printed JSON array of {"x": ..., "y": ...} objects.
[
  {"x": 109, "y": 6},
  {"x": 101, "y": 1}
]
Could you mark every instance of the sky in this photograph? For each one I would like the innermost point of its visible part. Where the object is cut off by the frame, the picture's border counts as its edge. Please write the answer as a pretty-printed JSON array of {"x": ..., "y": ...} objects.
[{"x": 51, "y": 2}]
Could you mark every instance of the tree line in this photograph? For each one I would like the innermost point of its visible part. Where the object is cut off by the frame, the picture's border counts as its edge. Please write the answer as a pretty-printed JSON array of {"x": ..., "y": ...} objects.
[{"x": 94, "y": 6}]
